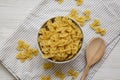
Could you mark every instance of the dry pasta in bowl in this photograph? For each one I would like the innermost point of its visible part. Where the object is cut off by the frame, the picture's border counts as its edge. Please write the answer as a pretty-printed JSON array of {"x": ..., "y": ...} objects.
[{"x": 60, "y": 39}]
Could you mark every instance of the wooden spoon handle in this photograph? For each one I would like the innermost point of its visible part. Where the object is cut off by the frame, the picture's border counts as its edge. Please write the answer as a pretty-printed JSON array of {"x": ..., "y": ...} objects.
[{"x": 85, "y": 73}]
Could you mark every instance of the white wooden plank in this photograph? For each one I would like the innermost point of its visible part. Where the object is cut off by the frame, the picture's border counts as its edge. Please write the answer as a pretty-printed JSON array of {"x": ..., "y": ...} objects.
[
  {"x": 13, "y": 12},
  {"x": 110, "y": 70}
]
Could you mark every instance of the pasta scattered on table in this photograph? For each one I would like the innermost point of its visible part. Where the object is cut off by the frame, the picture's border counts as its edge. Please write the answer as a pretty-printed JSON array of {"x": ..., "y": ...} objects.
[
  {"x": 60, "y": 1},
  {"x": 25, "y": 51},
  {"x": 87, "y": 14},
  {"x": 95, "y": 25},
  {"x": 73, "y": 73},
  {"x": 80, "y": 19},
  {"x": 48, "y": 66},
  {"x": 60, "y": 75},
  {"x": 43, "y": 77},
  {"x": 60, "y": 39},
  {"x": 79, "y": 2}
]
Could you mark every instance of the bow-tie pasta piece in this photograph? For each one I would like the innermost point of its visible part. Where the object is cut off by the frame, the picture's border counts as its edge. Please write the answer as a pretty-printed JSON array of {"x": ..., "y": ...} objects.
[
  {"x": 60, "y": 75},
  {"x": 25, "y": 51},
  {"x": 80, "y": 19},
  {"x": 35, "y": 52},
  {"x": 43, "y": 77},
  {"x": 97, "y": 28},
  {"x": 60, "y": 1},
  {"x": 20, "y": 45},
  {"x": 95, "y": 23},
  {"x": 87, "y": 18},
  {"x": 73, "y": 13},
  {"x": 20, "y": 55},
  {"x": 103, "y": 31},
  {"x": 73, "y": 73},
  {"x": 22, "y": 60},
  {"x": 87, "y": 12},
  {"x": 48, "y": 66},
  {"x": 79, "y": 2}
]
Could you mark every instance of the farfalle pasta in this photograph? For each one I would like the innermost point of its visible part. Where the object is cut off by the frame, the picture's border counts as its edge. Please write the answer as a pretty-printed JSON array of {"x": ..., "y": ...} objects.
[
  {"x": 95, "y": 25},
  {"x": 45, "y": 77},
  {"x": 60, "y": 1},
  {"x": 60, "y": 39},
  {"x": 73, "y": 73},
  {"x": 80, "y": 19},
  {"x": 48, "y": 66},
  {"x": 25, "y": 51},
  {"x": 87, "y": 14},
  {"x": 79, "y": 2},
  {"x": 60, "y": 75}
]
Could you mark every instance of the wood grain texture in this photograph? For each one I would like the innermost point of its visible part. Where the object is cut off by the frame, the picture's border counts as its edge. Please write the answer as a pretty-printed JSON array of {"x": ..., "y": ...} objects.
[{"x": 13, "y": 12}]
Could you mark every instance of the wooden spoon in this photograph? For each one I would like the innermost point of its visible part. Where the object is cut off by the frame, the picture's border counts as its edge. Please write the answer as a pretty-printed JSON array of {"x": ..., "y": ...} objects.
[{"x": 94, "y": 52}]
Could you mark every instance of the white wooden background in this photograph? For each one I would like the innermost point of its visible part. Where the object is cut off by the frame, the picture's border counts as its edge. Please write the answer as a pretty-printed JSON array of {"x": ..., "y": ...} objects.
[{"x": 13, "y": 12}]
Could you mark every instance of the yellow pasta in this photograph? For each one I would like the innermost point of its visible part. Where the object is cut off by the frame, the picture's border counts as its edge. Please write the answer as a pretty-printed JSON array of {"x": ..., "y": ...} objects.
[
  {"x": 26, "y": 45},
  {"x": 60, "y": 1},
  {"x": 25, "y": 51},
  {"x": 87, "y": 18},
  {"x": 22, "y": 45},
  {"x": 80, "y": 19},
  {"x": 47, "y": 66},
  {"x": 60, "y": 75},
  {"x": 79, "y": 2},
  {"x": 96, "y": 22},
  {"x": 73, "y": 73},
  {"x": 97, "y": 28},
  {"x": 30, "y": 56},
  {"x": 100, "y": 30},
  {"x": 43, "y": 77},
  {"x": 47, "y": 55},
  {"x": 20, "y": 55},
  {"x": 20, "y": 48},
  {"x": 22, "y": 60},
  {"x": 103, "y": 32},
  {"x": 35, "y": 52},
  {"x": 86, "y": 12},
  {"x": 20, "y": 42},
  {"x": 73, "y": 13},
  {"x": 65, "y": 33},
  {"x": 92, "y": 25}
]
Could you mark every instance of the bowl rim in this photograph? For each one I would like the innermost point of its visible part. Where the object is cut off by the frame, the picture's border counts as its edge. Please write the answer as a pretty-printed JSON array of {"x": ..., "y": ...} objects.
[{"x": 75, "y": 56}]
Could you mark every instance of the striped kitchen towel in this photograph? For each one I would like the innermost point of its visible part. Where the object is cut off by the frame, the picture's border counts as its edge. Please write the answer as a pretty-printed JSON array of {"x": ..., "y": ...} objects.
[{"x": 108, "y": 13}]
